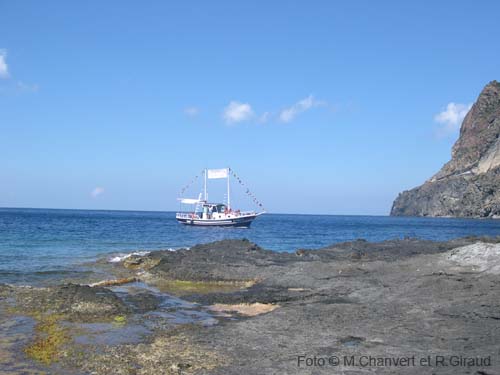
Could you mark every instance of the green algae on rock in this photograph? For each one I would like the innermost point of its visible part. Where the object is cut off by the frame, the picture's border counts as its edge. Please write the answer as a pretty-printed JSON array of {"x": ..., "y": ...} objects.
[{"x": 50, "y": 339}]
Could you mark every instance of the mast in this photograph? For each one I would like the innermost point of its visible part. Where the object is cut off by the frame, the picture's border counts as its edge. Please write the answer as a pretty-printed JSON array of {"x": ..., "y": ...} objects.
[
  {"x": 228, "y": 196},
  {"x": 205, "y": 185}
]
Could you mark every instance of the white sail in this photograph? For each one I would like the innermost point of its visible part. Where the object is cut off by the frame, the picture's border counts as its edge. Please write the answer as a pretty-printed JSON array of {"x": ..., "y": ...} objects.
[
  {"x": 189, "y": 200},
  {"x": 217, "y": 173}
]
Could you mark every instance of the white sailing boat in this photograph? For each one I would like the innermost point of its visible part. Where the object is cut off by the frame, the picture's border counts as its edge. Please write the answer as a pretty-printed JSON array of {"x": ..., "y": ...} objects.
[{"x": 204, "y": 213}]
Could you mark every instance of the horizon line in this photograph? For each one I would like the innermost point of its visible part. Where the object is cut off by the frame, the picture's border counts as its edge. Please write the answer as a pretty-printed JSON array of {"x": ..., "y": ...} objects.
[{"x": 167, "y": 211}]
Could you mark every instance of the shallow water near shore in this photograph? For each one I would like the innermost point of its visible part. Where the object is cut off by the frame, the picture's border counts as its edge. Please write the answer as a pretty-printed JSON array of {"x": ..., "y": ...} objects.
[
  {"x": 20, "y": 330},
  {"x": 40, "y": 246}
]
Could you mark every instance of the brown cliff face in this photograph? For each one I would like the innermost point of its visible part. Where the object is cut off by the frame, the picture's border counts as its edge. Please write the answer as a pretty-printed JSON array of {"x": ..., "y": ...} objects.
[{"x": 468, "y": 185}]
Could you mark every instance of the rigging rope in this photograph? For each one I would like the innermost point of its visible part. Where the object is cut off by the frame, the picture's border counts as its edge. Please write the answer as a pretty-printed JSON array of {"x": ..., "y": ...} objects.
[
  {"x": 247, "y": 190},
  {"x": 190, "y": 183}
]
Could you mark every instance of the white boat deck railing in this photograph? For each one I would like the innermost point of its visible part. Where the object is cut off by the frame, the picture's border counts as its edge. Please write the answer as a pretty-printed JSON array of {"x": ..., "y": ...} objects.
[
  {"x": 244, "y": 213},
  {"x": 192, "y": 215},
  {"x": 187, "y": 215}
]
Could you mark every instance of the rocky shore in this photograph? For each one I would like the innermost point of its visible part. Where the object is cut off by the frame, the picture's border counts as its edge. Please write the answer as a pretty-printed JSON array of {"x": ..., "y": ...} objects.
[
  {"x": 466, "y": 186},
  {"x": 230, "y": 307}
]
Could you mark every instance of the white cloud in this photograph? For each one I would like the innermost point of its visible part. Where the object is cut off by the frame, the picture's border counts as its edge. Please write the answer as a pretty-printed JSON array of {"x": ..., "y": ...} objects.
[
  {"x": 288, "y": 114},
  {"x": 192, "y": 111},
  {"x": 451, "y": 118},
  {"x": 237, "y": 112},
  {"x": 4, "y": 68},
  {"x": 96, "y": 192}
]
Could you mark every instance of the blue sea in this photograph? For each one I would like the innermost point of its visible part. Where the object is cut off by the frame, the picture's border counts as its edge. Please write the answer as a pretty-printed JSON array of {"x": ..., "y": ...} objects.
[{"x": 36, "y": 244}]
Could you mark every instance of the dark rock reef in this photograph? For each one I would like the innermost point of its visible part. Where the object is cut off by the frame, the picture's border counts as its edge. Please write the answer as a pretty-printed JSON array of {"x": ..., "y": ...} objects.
[
  {"x": 466, "y": 186},
  {"x": 393, "y": 299},
  {"x": 285, "y": 313}
]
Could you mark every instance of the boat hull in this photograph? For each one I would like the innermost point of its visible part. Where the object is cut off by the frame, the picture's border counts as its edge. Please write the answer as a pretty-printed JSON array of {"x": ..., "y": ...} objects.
[{"x": 243, "y": 221}]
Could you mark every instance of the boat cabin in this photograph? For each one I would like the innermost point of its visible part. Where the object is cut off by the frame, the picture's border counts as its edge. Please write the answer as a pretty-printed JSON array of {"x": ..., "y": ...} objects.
[{"x": 216, "y": 211}]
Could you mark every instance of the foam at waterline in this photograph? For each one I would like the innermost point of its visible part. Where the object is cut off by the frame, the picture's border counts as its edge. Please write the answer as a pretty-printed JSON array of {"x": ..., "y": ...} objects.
[{"x": 121, "y": 257}]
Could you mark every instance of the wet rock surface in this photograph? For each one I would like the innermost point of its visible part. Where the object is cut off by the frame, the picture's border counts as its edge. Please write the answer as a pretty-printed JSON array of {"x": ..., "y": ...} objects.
[
  {"x": 76, "y": 302},
  {"x": 394, "y": 299}
]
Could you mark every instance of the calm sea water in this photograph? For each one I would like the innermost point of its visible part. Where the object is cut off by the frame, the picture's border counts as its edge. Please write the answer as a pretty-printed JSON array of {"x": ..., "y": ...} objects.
[{"x": 38, "y": 243}]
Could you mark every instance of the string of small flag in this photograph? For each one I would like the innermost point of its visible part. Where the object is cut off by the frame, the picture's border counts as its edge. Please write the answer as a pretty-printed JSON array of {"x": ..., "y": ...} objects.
[
  {"x": 240, "y": 181},
  {"x": 190, "y": 183},
  {"x": 247, "y": 190}
]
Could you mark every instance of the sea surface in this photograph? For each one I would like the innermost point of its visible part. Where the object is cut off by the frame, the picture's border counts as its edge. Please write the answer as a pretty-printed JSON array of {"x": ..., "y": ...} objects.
[{"x": 41, "y": 244}]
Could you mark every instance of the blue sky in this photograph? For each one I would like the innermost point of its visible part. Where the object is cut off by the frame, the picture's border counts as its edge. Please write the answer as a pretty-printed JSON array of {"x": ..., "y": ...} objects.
[{"x": 321, "y": 106}]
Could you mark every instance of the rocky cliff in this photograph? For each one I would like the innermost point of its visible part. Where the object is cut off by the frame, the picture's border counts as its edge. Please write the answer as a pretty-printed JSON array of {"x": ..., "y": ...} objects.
[{"x": 468, "y": 185}]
